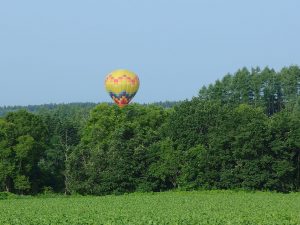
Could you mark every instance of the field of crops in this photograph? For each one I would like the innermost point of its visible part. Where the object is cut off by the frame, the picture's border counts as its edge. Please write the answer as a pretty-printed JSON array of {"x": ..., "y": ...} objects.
[{"x": 205, "y": 207}]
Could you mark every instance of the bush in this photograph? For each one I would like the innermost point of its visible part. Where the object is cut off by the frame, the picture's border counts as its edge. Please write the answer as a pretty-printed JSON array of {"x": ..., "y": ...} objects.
[{"x": 7, "y": 195}]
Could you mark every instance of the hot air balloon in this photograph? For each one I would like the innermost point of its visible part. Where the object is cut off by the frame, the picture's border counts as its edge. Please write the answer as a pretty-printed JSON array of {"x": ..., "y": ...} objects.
[{"x": 122, "y": 85}]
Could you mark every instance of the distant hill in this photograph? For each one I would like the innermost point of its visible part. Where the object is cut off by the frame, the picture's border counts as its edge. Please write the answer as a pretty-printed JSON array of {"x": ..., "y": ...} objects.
[
  {"x": 83, "y": 105},
  {"x": 45, "y": 107}
]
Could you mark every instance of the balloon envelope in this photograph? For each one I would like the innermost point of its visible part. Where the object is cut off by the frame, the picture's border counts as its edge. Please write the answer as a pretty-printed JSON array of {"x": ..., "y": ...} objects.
[{"x": 122, "y": 85}]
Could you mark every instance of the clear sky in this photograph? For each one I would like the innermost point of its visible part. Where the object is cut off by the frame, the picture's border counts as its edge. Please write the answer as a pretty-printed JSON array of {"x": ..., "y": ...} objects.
[{"x": 59, "y": 51}]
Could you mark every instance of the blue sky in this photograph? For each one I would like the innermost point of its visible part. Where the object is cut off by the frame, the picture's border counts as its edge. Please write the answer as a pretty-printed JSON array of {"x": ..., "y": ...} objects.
[{"x": 60, "y": 50}]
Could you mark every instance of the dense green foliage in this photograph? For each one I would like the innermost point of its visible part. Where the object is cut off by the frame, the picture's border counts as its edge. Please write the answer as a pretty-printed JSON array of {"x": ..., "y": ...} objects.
[
  {"x": 113, "y": 155},
  {"x": 261, "y": 88},
  {"x": 185, "y": 208},
  {"x": 241, "y": 133}
]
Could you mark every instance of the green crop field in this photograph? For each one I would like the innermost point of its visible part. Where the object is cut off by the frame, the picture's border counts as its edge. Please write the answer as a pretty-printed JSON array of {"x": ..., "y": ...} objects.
[{"x": 204, "y": 207}]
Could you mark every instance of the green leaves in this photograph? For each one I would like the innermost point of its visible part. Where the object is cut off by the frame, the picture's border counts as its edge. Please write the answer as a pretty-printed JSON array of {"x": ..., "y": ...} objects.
[
  {"x": 113, "y": 149},
  {"x": 22, "y": 141},
  {"x": 21, "y": 183},
  {"x": 265, "y": 88},
  {"x": 24, "y": 147}
]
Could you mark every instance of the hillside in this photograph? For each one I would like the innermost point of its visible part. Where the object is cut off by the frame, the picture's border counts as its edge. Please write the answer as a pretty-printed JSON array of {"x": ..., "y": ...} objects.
[{"x": 242, "y": 132}]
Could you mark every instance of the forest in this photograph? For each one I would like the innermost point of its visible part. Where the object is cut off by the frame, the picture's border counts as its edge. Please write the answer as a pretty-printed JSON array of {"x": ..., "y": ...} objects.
[{"x": 242, "y": 132}]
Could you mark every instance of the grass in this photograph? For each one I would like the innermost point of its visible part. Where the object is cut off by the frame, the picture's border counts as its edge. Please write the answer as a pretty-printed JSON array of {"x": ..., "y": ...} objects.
[{"x": 203, "y": 207}]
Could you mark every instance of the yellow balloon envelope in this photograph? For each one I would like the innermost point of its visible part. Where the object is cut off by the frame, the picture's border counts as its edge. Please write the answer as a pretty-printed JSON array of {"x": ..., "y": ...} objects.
[{"x": 122, "y": 85}]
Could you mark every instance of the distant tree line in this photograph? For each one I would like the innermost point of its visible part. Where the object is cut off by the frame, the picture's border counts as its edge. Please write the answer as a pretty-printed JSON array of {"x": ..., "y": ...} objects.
[
  {"x": 69, "y": 107},
  {"x": 243, "y": 132},
  {"x": 40, "y": 109}
]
